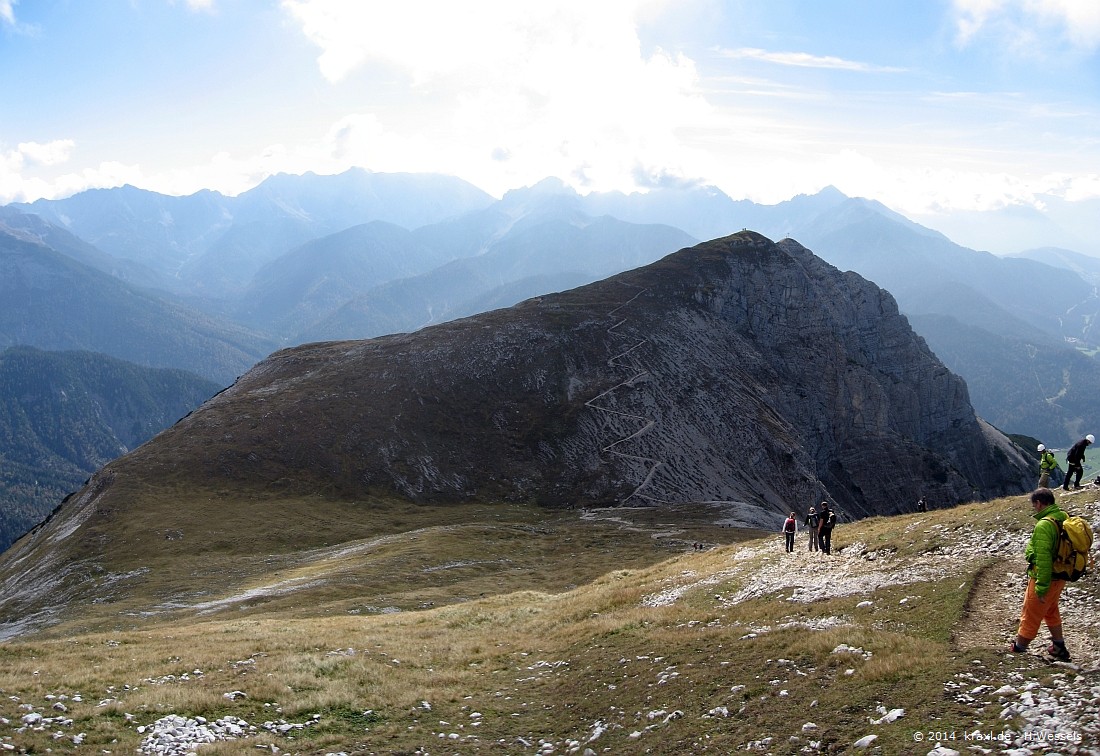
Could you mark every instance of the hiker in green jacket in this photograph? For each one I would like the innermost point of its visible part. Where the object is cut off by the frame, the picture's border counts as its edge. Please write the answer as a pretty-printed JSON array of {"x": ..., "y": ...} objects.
[
  {"x": 1041, "y": 596},
  {"x": 1047, "y": 465}
]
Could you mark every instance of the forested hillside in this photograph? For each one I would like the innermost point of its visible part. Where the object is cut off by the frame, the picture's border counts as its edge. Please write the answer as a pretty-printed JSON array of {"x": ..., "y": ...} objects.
[{"x": 63, "y": 415}]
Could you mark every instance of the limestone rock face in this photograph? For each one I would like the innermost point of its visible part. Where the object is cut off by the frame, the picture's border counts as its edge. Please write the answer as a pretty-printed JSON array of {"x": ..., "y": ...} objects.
[{"x": 741, "y": 373}]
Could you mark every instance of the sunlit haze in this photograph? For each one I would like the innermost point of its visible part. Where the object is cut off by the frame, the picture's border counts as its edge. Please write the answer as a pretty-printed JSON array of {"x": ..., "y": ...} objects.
[{"x": 928, "y": 107}]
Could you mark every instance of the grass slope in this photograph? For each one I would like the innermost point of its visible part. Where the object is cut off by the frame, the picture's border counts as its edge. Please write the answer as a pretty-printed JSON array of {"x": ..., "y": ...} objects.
[{"x": 581, "y": 631}]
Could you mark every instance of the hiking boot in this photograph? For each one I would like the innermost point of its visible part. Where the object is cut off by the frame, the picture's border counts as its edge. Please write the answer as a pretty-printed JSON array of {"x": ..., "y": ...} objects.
[
  {"x": 1061, "y": 653},
  {"x": 1014, "y": 649}
]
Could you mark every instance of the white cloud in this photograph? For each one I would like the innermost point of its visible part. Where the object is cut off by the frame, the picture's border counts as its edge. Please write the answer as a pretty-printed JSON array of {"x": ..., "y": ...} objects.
[
  {"x": 1075, "y": 188},
  {"x": 562, "y": 87},
  {"x": 49, "y": 153},
  {"x": 197, "y": 6},
  {"x": 17, "y": 186},
  {"x": 1022, "y": 22},
  {"x": 14, "y": 185},
  {"x": 805, "y": 60},
  {"x": 8, "y": 19},
  {"x": 106, "y": 174}
]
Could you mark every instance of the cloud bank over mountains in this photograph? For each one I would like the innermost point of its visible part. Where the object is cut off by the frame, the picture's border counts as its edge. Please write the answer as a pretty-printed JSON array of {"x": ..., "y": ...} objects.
[{"x": 973, "y": 106}]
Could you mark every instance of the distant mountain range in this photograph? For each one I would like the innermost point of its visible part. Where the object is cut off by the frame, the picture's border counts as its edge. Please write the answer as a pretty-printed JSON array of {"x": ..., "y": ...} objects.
[
  {"x": 552, "y": 255},
  {"x": 51, "y": 300},
  {"x": 63, "y": 415},
  {"x": 211, "y": 284},
  {"x": 211, "y": 245},
  {"x": 1010, "y": 230}
]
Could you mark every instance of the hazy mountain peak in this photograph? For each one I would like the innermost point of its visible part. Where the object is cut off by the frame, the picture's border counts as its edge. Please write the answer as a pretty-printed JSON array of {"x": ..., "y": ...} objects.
[
  {"x": 551, "y": 186},
  {"x": 830, "y": 192}
]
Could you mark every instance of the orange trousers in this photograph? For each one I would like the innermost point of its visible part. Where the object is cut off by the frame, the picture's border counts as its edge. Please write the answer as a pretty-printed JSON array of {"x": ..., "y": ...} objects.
[{"x": 1035, "y": 613}]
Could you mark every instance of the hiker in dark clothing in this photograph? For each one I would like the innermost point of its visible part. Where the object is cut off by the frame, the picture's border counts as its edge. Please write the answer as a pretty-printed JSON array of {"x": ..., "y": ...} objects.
[
  {"x": 825, "y": 535},
  {"x": 1075, "y": 462},
  {"x": 788, "y": 531},
  {"x": 811, "y": 522},
  {"x": 921, "y": 506}
]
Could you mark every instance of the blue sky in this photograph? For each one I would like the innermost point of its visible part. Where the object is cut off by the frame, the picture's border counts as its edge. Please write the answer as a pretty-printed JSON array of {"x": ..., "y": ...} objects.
[{"x": 930, "y": 107}]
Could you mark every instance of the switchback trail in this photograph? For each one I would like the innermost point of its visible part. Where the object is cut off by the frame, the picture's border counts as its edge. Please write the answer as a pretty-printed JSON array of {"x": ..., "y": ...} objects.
[{"x": 623, "y": 360}]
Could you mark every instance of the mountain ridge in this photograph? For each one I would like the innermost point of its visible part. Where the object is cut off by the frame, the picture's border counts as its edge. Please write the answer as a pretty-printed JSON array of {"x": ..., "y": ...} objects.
[
  {"x": 741, "y": 378},
  {"x": 491, "y": 344},
  {"x": 187, "y": 241},
  {"x": 928, "y": 274}
]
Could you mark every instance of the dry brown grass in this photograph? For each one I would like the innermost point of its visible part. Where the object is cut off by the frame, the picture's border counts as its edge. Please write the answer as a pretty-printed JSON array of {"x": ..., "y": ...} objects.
[{"x": 534, "y": 664}]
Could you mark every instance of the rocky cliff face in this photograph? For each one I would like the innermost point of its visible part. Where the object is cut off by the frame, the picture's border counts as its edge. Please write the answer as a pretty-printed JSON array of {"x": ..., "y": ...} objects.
[{"x": 741, "y": 373}]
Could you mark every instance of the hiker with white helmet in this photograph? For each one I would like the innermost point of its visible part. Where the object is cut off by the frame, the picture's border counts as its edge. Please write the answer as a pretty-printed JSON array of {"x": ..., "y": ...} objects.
[
  {"x": 1047, "y": 465},
  {"x": 1075, "y": 462}
]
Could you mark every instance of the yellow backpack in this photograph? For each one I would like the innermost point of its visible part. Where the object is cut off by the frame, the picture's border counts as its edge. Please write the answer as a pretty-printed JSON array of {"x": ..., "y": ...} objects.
[{"x": 1072, "y": 555}]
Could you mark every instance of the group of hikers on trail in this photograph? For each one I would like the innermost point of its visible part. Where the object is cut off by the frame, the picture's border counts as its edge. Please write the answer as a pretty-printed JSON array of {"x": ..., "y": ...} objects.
[
  {"x": 1057, "y": 552},
  {"x": 819, "y": 524},
  {"x": 1075, "y": 464}
]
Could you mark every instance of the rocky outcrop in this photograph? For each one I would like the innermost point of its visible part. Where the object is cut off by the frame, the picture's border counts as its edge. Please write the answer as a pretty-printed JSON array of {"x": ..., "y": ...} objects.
[{"x": 739, "y": 373}]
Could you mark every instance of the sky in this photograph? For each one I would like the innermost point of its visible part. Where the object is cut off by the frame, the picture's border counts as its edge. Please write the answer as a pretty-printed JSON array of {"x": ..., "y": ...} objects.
[{"x": 929, "y": 106}]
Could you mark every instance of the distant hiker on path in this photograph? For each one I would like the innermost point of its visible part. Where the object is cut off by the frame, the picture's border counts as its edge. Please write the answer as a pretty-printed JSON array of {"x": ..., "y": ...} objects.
[
  {"x": 921, "y": 506},
  {"x": 1047, "y": 465},
  {"x": 1075, "y": 462},
  {"x": 825, "y": 533},
  {"x": 1041, "y": 596},
  {"x": 789, "y": 528},
  {"x": 811, "y": 522}
]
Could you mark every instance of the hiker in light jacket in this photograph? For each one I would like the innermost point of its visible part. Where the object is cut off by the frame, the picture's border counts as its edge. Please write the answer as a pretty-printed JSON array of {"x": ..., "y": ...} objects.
[
  {"x": 1047, "y": 465},
  {"x": 1043, "y": 591}
]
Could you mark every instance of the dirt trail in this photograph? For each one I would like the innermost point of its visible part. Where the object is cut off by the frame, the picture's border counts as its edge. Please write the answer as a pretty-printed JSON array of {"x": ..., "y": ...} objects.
[{"x": 993, "y": 612}]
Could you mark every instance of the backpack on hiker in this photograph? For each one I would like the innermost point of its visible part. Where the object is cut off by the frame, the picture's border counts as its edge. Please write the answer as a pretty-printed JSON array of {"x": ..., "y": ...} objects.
[{"x": 1072, "y": 550}]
